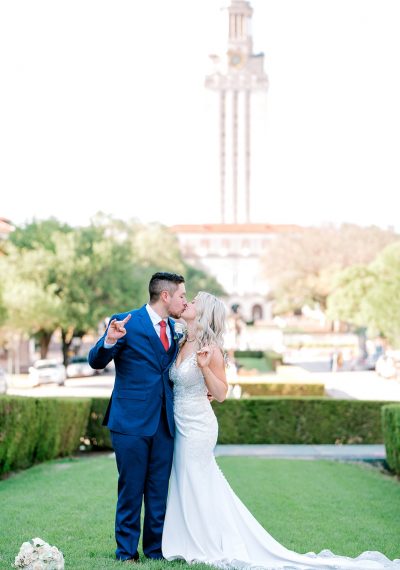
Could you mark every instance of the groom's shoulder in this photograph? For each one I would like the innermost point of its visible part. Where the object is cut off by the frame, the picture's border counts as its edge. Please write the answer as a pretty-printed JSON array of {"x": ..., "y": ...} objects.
[{"x": 133, "y": 312}]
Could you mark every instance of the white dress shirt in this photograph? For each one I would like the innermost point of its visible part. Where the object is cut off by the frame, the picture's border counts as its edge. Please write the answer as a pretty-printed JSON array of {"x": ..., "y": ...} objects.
[{"x": 155, "y": 319}]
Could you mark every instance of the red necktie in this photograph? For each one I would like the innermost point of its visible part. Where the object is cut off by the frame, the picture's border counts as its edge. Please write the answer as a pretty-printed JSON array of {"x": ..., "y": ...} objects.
[{"x": 163, "y": 334}]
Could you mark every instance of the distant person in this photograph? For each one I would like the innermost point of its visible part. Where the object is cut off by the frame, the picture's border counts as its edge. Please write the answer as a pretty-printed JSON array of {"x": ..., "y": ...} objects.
[{"x": 336, "y": 360}]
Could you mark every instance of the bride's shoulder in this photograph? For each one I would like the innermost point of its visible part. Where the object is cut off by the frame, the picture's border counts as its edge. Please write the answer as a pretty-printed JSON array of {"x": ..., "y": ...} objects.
[{"x": 218, "y": 357}]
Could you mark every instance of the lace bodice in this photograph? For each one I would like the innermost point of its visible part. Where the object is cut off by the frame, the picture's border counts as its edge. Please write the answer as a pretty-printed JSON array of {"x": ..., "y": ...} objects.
[{"x": 188, "y": 379}]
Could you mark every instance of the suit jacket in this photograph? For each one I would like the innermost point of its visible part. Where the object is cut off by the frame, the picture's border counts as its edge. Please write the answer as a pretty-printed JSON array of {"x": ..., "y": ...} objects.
[{"x": 142, "y": 386}]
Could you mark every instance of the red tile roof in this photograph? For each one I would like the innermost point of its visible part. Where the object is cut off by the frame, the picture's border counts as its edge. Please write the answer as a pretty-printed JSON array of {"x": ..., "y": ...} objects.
[
  {"x": 234, "y": 228},
  {"x": 5, "y": 226}
]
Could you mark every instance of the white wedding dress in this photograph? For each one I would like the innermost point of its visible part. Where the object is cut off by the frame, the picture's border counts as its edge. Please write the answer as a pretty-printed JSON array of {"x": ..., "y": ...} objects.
[{"x": 205, "y": 521}]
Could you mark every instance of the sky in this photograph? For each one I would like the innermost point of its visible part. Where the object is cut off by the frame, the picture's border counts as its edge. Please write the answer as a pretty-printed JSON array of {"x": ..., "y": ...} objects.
[{"x": 103, "y": 108}]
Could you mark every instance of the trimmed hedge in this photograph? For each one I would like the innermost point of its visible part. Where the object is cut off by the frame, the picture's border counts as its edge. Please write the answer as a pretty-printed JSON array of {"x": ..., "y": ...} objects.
[
  {"x": 277, "y": 421},
  {"x": 279, "y": 389},
  {"x": 272, "y": 359},
  {"x": 38, "y": 429},
  {"x": 97, "y": 435},
  {"x": 248, "y": 353},
  {"x": 391, "y": 433},
  {"x": 299, "y": 420}
]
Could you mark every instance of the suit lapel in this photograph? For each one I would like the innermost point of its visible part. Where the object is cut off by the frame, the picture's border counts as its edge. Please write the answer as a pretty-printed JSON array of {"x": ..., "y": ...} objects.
[{"x": 173, "y": 337}]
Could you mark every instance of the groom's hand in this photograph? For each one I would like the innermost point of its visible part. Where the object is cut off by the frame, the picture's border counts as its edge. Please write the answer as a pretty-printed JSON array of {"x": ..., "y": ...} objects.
[{"x": 116, "y": 330}]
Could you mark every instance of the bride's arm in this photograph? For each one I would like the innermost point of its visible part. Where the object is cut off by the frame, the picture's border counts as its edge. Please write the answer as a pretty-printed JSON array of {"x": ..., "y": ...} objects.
[{"x": 211, "y": 362}]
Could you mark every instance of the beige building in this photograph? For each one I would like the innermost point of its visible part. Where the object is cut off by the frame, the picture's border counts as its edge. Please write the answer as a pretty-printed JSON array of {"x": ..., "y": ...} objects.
[
  {"x": 235, "y": 255},
  {"x": 6, "y": 228}
]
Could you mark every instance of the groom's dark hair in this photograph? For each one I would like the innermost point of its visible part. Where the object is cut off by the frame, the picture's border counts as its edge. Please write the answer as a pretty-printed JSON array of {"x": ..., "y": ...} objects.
[{"x": 163, "y": 281}]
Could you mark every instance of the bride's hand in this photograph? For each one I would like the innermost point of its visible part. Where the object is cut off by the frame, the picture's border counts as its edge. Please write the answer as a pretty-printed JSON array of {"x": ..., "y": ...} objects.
[{"x": 204, "y": 356}]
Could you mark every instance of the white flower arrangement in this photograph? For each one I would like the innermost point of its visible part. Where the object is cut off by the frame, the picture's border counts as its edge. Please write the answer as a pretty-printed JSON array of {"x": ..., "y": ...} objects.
[
  {"x": 180, "y": 332},
  {"x": 180, "y": 328},
  {"x": 38, "y": 555}
]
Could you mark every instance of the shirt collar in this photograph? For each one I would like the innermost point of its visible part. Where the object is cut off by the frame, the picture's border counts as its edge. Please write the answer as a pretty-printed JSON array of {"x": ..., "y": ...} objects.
[{"x": 155, "y": 317}]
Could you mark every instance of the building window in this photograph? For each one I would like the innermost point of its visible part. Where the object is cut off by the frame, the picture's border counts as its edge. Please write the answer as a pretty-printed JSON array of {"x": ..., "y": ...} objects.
[{"x": 257, "y": 313}]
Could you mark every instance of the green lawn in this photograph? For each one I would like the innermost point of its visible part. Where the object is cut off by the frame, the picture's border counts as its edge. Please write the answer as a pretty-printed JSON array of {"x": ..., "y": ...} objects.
[
  {"x": 306, "y": 505},
  {"x": 259, "y": 364}
]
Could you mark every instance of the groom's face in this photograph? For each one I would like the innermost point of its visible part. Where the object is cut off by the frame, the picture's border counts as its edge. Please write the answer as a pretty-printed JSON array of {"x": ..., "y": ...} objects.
[{"x": 177, "y": 302}]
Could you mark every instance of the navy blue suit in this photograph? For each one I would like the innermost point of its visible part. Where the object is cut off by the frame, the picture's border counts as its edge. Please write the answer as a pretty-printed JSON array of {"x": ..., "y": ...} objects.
[{"x": 140, "y": 417}]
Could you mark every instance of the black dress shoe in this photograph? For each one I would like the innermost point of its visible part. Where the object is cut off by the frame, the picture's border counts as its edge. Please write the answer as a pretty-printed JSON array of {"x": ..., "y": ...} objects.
[{"x": 133, "y": 560}]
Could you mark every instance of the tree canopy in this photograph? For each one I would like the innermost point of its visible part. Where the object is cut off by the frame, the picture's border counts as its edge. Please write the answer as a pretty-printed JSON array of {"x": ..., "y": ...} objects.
[
  {"x": 59, "y": 277},
  {"x": 302, "y": 266},
  {"x": 369, "y": 295}
]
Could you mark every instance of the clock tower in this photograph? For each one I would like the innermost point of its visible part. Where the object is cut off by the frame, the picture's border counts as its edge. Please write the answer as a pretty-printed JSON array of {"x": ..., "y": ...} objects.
[{"x": 237, "y": 74}]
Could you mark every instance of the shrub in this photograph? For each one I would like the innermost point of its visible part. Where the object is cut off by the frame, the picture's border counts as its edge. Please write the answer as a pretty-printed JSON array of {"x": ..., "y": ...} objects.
[
  {"x": 96, "y": 434},
  {"x": 279, "y": 389},
  {"x": 391, "y": 434},
  {"x": 278, "y": 421},
  {"x": 248, "y": 354},
  {"x": 37, "y": 429},
  {"x": 299, "y": 420}
]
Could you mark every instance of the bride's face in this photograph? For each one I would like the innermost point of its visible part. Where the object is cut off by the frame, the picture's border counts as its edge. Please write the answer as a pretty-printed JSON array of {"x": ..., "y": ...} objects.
[{"x": 190, "y": 313}]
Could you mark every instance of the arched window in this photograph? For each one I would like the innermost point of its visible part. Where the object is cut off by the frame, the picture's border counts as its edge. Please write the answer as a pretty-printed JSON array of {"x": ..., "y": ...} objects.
[{"x": 257, "y": 313}]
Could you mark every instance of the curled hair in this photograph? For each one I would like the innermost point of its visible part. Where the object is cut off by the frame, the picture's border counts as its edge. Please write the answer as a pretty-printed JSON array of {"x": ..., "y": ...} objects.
[{"x": 211, "y": 320}]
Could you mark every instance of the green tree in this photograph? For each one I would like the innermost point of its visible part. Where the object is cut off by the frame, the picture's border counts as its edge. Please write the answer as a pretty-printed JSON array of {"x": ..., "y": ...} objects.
[
  {"x": 383, "y": 299},
  {"x": 95, "y": 277},
  {"x": 38, "y": 233},
  {"x": 73, "y": 278},
  {"x": 369, "y": 295},
  {"x": 30, "y": 298},
  {"x": 302, "y": 265},
  {"x": 348, "y": 300}
]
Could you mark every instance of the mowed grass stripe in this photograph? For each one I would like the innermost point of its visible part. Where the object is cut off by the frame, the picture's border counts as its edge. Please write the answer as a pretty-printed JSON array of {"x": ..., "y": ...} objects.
[{"x": 306, "y": 505}]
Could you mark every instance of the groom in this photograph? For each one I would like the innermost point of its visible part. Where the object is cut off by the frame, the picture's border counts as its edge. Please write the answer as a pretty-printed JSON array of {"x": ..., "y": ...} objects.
[{"x": 143, "y": 344}]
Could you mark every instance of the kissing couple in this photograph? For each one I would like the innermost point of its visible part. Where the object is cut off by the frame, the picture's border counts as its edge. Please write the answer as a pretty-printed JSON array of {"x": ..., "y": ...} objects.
[{"x": 164, "y": 430}]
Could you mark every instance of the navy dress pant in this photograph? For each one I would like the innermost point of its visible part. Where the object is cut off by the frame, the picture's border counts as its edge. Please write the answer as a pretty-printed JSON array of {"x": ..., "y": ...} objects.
[{"x": 144, "y": 466}]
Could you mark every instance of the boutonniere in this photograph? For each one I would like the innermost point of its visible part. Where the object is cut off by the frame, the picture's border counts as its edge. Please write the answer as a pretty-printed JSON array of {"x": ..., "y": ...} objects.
[{"x": 179, "y": 331}]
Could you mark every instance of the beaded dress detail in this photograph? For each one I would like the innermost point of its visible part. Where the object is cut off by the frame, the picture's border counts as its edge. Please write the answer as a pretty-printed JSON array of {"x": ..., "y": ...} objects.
[{"x": 205, "y": 521}]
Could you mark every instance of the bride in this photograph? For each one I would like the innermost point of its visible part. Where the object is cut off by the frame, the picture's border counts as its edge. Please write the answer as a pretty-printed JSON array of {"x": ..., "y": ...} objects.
[{"x": 205, "y": 521}]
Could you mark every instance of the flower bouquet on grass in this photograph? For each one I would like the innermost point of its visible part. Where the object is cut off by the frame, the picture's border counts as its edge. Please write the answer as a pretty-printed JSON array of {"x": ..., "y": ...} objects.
[{"x": 38, "y": 555}]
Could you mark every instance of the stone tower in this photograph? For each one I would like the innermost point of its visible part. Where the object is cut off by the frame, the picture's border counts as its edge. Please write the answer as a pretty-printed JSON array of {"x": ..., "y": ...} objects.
[{"x": 237, "y": 74}]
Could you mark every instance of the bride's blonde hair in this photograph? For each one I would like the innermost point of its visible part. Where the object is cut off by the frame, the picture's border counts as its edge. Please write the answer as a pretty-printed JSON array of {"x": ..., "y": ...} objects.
[{"x": 211, "y": 320}]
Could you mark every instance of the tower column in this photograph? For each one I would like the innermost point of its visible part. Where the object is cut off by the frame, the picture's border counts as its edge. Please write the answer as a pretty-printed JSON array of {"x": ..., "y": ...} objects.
[
  {"x": 238, "y": 71},
  {"x": 235, "y": 154},
  {"x": 247, "y": 156},
  {"x": 222, "y": 144}
]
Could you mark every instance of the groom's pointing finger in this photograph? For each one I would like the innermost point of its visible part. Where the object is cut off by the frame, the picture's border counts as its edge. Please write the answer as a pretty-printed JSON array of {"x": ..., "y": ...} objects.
[{"x": 126, "y": 319}]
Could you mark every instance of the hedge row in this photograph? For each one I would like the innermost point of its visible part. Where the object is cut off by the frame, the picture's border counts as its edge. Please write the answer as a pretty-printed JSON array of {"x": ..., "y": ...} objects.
[
  {"x": 391, "y": 433},
  {"x": 38, "y": 429},
  {"x": 279, "y": 389},
  {"x": 278, "y": 421}
]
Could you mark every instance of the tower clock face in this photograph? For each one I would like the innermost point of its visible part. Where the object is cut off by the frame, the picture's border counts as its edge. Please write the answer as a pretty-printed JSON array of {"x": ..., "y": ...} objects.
[{"x": 236, "y": 59}]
